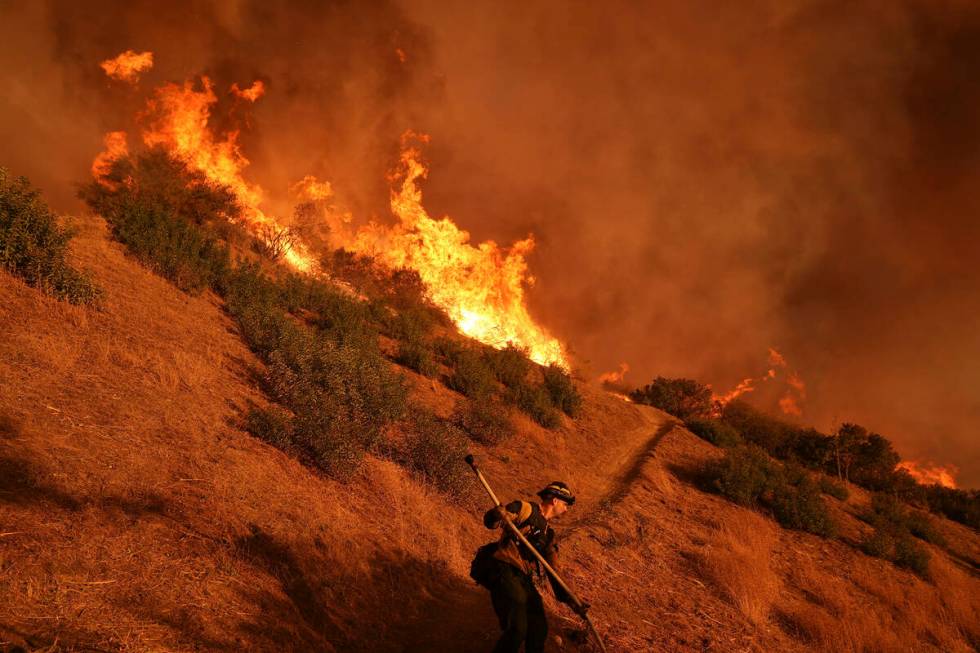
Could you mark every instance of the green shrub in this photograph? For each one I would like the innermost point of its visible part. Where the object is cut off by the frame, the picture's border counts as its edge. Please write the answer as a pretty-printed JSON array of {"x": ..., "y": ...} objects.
[
  {"x": 410, "y": 324},
  {"x": 834, "y": 488},
  {"x": 416, "y": 355},
  {"x": 558, "y": 384},
  {"x": 272, "y": 425},
  {"x": 912, "y": 556},
  {"x": 164, "y": 213},
  {"x": 510, "y": 365},
  {"x": 536, "y": 403},
  {"x": 34, "y": 247},
  {"x": 749, "y": 477},
  {"x": 484, "y": 421},
  {"x": 800, "y": 506},
  {"x": 743, "y": 474},
  {"x": 924, "y": 528},
  {"x": 682, "y": 398},
  {"x": 435, "y": 450},
  {"x": 714, "y": 431},
  {"x": 449, "y": 349},
  {"x": 471, "y": 376}
]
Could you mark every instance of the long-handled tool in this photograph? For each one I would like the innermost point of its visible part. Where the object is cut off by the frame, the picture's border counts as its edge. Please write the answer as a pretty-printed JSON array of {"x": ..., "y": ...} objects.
[{"x": 580, "y": 606}]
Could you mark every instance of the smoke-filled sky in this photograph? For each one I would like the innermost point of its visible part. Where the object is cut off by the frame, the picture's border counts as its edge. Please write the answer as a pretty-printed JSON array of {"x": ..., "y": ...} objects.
[{"x": 704, "y": 180}]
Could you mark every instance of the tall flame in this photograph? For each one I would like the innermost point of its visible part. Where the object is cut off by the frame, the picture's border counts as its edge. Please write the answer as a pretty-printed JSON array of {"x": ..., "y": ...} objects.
[
  {"x": 128, "y": 66},
  {"x": 930, "y": 473},
  {"x": 180, "y": 116},
  {"x": 481, "y": 287}
]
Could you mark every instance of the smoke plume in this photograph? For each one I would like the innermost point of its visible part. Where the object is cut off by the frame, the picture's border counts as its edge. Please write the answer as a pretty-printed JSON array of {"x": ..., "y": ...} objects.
[{"x": 703, "y": 181}]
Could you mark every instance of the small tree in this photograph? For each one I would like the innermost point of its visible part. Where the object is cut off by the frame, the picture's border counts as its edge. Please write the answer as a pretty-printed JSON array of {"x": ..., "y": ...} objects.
[{"x": 682, "y": 398}]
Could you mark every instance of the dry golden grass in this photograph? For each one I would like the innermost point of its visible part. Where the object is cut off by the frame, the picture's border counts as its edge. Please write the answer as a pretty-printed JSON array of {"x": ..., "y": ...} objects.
[{"x": 736, "y": 561}]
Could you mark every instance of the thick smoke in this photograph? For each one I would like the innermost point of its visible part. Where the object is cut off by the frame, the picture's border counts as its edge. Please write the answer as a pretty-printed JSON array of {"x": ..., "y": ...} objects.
[{"x": 704, "y": 181}]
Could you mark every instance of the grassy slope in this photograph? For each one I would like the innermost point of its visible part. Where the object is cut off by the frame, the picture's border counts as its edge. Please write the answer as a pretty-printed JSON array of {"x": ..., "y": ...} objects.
[{"x": 136, "y": 515}]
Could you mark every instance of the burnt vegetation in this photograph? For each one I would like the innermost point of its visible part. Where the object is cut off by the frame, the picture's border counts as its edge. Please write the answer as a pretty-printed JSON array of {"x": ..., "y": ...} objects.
[
  {"x": 34, "y": 247},
  {"x": 336, "y": 395}
]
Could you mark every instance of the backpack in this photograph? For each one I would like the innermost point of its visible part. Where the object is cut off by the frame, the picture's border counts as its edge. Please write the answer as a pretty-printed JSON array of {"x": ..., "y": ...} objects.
[{"x": 485, "y": 569}]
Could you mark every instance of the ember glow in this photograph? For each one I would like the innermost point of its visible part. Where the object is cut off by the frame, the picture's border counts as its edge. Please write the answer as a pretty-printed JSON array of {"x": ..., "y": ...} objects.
[
  {"x": 615, "y": 377},
  {"x": 930, "y": 474},
  {"x": 481, "y": 287},
  {"x": 128, "y": 66}
]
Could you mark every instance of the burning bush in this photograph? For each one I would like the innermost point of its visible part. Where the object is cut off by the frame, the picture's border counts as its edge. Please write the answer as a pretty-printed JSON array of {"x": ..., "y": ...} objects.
[
  {"x": 164, "y": 212},
  {"x": 682, "y": 398},
  {"x": 34, "y": 247}
]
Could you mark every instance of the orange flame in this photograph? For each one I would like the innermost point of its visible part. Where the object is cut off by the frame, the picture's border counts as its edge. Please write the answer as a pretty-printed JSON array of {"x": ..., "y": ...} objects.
[
  {"x": 480, "y": 287},
  {"x": 181, "y": 114},
  {"x": 615, "y": 377},
  {"x": 115, "y": 148},
  {"x": 789, "y": 403},
  {"x": 930, "y": 473},
  {"x": 128, "y": 66},
  {"x": 252, "y": 93}
]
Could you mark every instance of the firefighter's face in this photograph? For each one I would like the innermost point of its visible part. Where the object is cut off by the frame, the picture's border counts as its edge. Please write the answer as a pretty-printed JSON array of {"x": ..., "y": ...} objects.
[{"x": 559, "y": 507}]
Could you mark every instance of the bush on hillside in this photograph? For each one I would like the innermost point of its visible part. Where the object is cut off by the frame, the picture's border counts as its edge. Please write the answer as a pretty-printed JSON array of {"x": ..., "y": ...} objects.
[
  {"x": 416, "y": 355},
  {"x": 682, "y": 398},
  {"x": 749, "y": 477},
  {"x": 449, "y": 349},
  {"x": 484, "y": 421},
  {"x": 34, "y": 247},
  {"x": 163, "y": 212},
  {"x": 535, "y": 401},
  {"x": 558, "y": 384},
  {"x": 272, "y": 424},
  {"x": 714, "y": 431},
  {"x": 435, "y": 450},
  {"x": 471, "y": 375},
  {"x": 834, "y": 488},
  {"x": 510, "y": 365},
  {"x": 894, "y": 532}
]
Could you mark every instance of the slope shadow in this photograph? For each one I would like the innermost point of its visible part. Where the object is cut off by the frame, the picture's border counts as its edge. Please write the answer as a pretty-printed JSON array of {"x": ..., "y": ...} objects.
[{"x": 403, "y": 604}]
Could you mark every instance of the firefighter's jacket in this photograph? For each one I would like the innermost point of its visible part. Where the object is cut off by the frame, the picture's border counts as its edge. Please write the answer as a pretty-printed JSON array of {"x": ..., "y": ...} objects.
[{"x": 531, "y": 523}]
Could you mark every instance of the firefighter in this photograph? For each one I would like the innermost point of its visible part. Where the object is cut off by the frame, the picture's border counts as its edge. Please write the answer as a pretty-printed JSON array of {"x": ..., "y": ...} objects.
[{"x": 509, "y": 573}]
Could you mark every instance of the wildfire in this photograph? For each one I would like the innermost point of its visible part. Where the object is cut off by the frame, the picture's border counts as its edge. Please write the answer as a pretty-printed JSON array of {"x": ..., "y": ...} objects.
[
  {"x": 252, "y": 93},
  {"x": 615, "y": 377},
  {"x": 128, "y": 66},
  {"x": 180, "y": 115},
  {"x": 481, "y": 287},
  {"x": 115, "y": 148},
  {"x": 789, "y": 403},
  {"x": 930, "y": 473}
]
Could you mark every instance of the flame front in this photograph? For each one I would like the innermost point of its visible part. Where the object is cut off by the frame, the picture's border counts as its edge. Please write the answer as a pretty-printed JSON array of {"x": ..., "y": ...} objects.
[
  {"x": 180, "y": 116},
  {"x": 128, "y": 66},
  {"x": 480, "y": 287},
  {"x": 930, "y": 474}
]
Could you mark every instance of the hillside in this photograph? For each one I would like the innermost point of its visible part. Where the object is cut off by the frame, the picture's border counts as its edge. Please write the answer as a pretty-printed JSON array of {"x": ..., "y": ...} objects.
[{"x": 136, "y": 514}]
